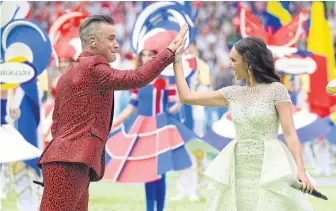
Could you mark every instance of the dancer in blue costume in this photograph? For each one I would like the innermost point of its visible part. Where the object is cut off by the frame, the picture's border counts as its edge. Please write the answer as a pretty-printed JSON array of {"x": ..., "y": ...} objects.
[
  {"x": 13, "y": 149},
  {"x": 155, "y": 141}
]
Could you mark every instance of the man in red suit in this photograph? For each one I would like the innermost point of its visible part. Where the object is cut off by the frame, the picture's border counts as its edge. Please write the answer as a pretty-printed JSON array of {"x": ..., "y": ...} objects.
[{"x": 83, "y": 113}]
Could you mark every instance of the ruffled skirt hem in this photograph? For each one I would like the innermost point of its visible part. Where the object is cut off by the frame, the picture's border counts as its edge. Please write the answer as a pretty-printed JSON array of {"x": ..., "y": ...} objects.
[{"x": 271, "y": 191}]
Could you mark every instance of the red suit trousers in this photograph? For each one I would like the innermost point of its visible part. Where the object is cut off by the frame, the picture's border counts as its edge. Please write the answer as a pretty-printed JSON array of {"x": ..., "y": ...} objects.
[{"x": 66, "y": 186}]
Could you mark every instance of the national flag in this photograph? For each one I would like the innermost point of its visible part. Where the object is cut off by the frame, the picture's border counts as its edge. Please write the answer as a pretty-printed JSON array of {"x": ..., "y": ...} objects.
[
  {"x": 320, "y": 42},
  {"x": 277, "y": 14}
]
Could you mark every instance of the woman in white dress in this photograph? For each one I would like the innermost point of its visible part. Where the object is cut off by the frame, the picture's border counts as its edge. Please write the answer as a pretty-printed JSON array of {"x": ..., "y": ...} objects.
[{"x": 254, "y": 171}]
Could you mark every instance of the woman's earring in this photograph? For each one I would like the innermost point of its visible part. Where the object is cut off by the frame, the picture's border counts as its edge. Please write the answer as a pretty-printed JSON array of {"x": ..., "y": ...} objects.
[{"x": 249, "y": 71}]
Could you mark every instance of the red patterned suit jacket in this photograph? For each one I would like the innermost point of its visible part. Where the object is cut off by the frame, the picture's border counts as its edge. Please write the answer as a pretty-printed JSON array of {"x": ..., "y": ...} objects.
[{"x": 84, "y": 103}]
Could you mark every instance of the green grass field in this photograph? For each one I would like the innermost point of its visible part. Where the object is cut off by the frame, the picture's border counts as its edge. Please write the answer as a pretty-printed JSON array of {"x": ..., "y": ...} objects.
[{"x": 107, "y": 196}]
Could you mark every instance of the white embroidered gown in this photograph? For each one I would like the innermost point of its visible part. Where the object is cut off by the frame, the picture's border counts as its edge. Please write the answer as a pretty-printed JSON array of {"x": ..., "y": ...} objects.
[{"x": 254, "y": 171}]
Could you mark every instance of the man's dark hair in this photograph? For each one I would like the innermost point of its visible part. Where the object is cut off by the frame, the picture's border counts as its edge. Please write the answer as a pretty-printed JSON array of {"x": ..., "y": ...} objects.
[
  {"x": 260, "y": 59},
  {"x": 90, "y": 26}
]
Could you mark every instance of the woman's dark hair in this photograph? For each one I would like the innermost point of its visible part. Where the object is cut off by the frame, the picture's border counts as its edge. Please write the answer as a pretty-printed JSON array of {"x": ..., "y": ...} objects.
[{"x": 259, "y": 58}]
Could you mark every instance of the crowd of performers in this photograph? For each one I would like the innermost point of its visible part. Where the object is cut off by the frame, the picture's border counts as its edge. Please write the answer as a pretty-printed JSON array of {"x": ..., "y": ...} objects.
[{"x": 150, "y": 120}]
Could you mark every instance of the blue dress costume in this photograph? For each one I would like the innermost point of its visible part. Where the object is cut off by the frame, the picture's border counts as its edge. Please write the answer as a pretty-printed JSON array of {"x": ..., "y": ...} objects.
[
  {"x": 3, "y": 115},
  {"x": 13, "y": 146},
  {"x": 149, "y": 143},
  {"x": 3, "y": 111}
]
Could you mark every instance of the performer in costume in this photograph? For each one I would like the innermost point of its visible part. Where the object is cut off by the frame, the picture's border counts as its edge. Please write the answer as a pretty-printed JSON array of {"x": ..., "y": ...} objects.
[
  {"x": 4, "y": 170},
  {"x": 25, "y": 46},
  {"x": 13, "y": 149},
  {"x": 83, "y": 111},
  {"x": 163, "y": 16},
  {"x": 160, "y": 16},
  {"x": 242, "y": 177},
  {"x": 156, "y": 138},
  {"x": 21, "y": 149},
  {"x": 188, "y": 181},
  {"x": 323, "y": 154}
]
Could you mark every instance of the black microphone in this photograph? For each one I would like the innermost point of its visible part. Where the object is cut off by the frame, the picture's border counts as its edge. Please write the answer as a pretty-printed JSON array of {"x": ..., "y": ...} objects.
[
  {"x": 38, "y": 183},
  {"x": 298, "y": 186}
]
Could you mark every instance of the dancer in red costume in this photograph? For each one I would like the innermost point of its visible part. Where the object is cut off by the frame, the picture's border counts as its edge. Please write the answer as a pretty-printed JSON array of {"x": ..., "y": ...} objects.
[{"x": 83, "y": 113}]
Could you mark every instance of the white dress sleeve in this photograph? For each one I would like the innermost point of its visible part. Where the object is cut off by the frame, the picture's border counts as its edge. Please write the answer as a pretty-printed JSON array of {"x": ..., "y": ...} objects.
[
  {"x": 280, "y": 94},
  {"x": 227, "y": 93}
]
